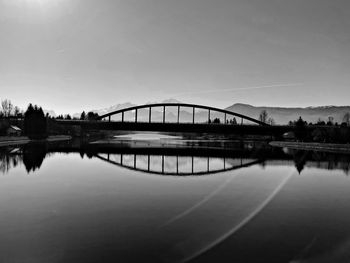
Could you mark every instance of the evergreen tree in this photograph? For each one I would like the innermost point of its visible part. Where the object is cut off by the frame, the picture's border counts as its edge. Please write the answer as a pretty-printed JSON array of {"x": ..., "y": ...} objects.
[
  {"x": 83, "y": 115},
  {"x": 35, "y": 125}
]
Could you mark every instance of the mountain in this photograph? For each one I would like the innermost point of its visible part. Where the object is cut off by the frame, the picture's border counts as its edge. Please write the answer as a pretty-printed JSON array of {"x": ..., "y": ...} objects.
[
  {"x": 283, "y": 115},
  {"x": 50, "y": 112}
]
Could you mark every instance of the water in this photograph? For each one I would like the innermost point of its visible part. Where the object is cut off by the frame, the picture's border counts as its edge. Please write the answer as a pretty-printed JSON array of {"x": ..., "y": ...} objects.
[{"x": 172, "y": 199}]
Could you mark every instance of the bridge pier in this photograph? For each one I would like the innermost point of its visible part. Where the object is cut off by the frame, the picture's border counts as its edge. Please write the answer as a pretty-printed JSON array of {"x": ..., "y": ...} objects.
[
  {"x": 150, "y": 115},
  {"x": 209, "y": 116},
  {"x": 123, "y": 116},
  {"x": 135, "y": 115},
  {"x": 178, "y": 114},
  {"x": 163, "y": 114},
  {"x": 194, "y": 110}
]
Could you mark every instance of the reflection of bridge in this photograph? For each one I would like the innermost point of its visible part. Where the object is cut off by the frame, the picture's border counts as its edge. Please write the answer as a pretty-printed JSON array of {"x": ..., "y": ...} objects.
[
  {"x": 134, "y": 110},
  {"x": 177, "y": 165}
]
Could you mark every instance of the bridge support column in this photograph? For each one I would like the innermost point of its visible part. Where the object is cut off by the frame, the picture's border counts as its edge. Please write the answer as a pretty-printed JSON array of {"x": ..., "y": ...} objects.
[
  {"x": 242, "y": 121},
  {"x": 163, "y": 114},
  {"x": 123, "y": 116},
  {"x": 136, "y": 115},
  {"x": 225, "y": 119},
  {"x": 194, "y": 110},
  {"x": 109, "y": 118},
  {"x": 208, "y": 116},
  {"x": 178, "y": 114},
  {"x": 150, "y": 115}
]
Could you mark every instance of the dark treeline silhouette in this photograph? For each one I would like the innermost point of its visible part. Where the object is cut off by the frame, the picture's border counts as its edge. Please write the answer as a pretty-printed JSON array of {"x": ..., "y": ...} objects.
[
  {"x": 321, "y": 131},
  {"x": 35, "y": 123},
  {"x": 84, "y": 116}
]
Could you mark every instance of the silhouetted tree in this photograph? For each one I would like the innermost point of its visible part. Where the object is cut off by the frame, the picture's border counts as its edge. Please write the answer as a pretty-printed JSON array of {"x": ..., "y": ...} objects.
[
  {"x": 92, "y": 116},
  {"x": 16, "y": 111},
  {"x": 83, "y": 115},
  {"x": 68, "y": 117},
  {"x": 263, "y": 116},
  {"x": 346, "y": 118},
  {"x": 35, "y": 125},
  {"x": 300, "y": 131},
  {"x": 330, "y": 121},
  {"x": 7, "y": 107},
  {"x": 271, "y": 121},
  {"x": 216, "y": 120}
]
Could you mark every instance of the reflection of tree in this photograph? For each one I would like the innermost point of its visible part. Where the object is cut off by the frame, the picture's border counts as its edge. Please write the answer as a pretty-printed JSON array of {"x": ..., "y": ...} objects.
[
  {"x": 8, "y": 161},
  {"x": 300, "y": 158},
  {"x": 33, "y": 156}
]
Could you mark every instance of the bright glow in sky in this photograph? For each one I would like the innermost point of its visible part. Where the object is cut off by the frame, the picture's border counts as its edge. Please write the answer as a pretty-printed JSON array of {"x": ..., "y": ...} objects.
[{"x": 74, "y": 55}]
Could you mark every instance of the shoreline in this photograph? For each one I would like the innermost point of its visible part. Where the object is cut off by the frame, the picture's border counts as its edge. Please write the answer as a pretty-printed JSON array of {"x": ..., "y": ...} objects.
[
  {"x": 313, "y": 146},
  {"x": 20, "y": 140}
]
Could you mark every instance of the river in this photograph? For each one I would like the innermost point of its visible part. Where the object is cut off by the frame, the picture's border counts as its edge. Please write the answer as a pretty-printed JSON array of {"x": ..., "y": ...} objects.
[{"x": 172, "y": 198}]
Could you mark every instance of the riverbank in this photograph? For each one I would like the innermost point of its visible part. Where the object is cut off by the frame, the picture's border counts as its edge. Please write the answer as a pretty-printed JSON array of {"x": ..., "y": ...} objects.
[
  {"x": 313, "y": 146},
  {"x": 19, "y": 140}
]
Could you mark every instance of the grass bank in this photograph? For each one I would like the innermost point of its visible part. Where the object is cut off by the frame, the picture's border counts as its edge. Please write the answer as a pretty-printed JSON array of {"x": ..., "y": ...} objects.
[
  {"x": 9, "y": 140},
  {"x": 313, "y": 146}
]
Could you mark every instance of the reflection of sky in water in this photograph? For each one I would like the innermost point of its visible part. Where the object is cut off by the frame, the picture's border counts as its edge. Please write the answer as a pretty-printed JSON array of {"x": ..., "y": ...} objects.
[
  {"x": 85, "y": 210},
  {"x": 146, "y": 136}
]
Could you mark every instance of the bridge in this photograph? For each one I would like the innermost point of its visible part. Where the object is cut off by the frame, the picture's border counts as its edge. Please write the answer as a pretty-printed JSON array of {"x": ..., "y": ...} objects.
[
  {"x": 170, "y": 118},
  {"x": 134, "y": 110}
]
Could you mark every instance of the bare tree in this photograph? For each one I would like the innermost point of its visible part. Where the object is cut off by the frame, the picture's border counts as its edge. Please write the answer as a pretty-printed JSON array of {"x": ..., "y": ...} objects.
[
  {"x": 7, "y": 107},
  {"x": 271, "y": 121},
  {"x": 346, "y": 118},
  {"x": 10, "y": 108},
  {"x": 16, "y": 111},
  {"x": 4, "y": 106},
  {"x": 263, "y": 117}
]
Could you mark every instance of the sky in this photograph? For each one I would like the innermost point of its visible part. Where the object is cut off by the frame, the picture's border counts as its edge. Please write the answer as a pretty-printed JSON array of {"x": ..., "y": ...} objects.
[{"x": 74, "y": 55}]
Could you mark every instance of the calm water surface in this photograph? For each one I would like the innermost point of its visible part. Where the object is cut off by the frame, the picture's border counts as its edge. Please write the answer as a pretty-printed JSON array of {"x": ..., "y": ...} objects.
[{"x": 170, "y": 199}]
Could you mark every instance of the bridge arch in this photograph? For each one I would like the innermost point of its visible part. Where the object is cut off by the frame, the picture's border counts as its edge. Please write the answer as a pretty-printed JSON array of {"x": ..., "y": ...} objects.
[{"x": 179, "y": 105}]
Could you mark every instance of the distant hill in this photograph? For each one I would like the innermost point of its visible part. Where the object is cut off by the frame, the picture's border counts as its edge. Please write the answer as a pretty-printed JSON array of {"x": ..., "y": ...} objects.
[{"x": 283, "y": 115}]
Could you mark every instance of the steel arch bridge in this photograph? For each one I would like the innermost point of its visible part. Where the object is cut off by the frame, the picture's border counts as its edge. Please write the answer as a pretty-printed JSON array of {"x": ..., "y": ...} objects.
[{"x": 179, "y": 106}]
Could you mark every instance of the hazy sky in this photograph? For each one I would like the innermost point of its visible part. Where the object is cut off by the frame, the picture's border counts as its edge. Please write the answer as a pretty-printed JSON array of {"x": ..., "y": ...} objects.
[{"x": 70, "y": 55}]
